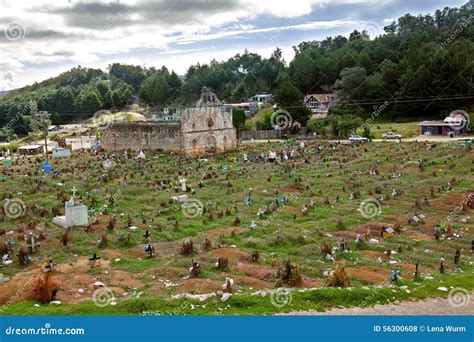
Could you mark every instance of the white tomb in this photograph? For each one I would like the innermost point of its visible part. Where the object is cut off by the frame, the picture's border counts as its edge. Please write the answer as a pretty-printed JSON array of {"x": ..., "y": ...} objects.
[
  {"x": 184, "y": 187},
  {"x": 180, "y": 198},
  {"x": 75, "y": 215}
]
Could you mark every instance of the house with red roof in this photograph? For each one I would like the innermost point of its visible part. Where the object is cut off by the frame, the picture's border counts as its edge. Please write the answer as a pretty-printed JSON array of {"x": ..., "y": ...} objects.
[{"x": 319, "y": 104}]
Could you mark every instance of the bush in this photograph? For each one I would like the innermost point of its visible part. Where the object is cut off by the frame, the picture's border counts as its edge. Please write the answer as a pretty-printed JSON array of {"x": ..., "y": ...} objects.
[
  {"x": 248, "y": 126},
  {"x": 366, "y": 132},
  {"x": 315, "y": 125},
  {"x": 342, "y": 125}
]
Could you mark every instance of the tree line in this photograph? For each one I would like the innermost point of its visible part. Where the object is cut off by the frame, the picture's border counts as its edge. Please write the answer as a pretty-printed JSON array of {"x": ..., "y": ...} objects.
[{"x": 420, "y": 65}]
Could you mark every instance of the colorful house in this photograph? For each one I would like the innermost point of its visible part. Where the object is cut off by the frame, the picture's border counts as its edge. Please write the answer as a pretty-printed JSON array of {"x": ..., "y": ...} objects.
[{"x": 453, "y": 125}]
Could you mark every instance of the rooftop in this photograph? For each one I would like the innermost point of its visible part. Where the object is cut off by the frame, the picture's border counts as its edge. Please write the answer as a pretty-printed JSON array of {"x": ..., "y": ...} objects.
[
  {"x": 444, "y": 122},
  {"x": 29, "y": 147}
]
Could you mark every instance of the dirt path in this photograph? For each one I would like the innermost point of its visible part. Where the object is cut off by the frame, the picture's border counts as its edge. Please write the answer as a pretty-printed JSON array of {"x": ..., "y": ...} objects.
[{"x": 430, "y": 307}]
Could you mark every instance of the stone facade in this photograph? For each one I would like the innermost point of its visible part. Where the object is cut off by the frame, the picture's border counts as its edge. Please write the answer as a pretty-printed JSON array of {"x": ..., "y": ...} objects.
[
  {"x": 142, "y": 135},
  {"x": 206, "y": 128}
]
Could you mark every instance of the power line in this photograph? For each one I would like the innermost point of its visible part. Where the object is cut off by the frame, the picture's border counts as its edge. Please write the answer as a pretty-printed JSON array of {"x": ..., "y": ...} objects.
[{"x": 357, "y": 102}]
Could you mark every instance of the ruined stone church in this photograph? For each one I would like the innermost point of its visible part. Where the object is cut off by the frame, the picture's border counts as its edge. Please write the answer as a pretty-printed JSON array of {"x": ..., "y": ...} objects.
[{"x": 205, "y": 128}]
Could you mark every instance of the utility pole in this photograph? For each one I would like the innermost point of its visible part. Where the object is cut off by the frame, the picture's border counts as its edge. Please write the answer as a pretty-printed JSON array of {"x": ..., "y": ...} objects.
[{"x": 40, "y": 122}]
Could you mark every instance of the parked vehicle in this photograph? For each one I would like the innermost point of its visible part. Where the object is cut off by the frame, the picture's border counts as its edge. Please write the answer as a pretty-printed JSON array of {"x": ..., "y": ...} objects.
[
  {"x": 391, "y": 135},
  {"x": 356, "y": 138}
]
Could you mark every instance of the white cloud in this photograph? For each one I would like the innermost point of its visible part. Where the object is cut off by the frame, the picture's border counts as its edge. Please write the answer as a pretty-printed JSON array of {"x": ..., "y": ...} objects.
[{"x": 60, "y": 33}]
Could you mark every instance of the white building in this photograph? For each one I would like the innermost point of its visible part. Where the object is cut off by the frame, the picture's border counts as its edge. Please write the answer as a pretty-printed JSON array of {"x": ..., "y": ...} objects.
[
  {"x": 261, "y": 97},
  {"x": 80, "y": 143}
]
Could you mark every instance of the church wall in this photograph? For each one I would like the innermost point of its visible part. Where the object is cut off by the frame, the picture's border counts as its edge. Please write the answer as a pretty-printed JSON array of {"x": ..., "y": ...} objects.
[
  {"x": 196, "y": 143},
  {"x": 142, "y": 135},
  {"x": 207, "y": 129}
]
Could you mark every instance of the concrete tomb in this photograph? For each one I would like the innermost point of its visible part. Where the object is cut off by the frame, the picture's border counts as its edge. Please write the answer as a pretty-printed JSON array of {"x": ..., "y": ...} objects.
[{"x": 76, "y": 214}]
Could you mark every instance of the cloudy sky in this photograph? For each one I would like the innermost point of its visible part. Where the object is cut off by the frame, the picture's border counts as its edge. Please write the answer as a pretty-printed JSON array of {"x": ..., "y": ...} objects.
[{"x": 40, "y": 39}]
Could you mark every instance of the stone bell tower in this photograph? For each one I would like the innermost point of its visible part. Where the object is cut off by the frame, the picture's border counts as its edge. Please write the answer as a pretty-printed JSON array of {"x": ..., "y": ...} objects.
[{"x": 207, "y": 127}]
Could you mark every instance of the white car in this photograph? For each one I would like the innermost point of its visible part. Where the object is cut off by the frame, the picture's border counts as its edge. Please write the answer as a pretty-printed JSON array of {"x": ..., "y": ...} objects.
[
  {"x": 356, "y": 138},
  {"x": 391, "y": 135}
]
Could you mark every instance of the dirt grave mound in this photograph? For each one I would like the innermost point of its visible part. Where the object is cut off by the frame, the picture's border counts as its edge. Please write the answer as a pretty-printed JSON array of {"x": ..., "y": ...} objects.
[
  {"x": 251, "y": 282},
  {"x": 168, "y": 273},
  {"x": 373, "y": 227},
  {"x": 233, "y": 254},
  {"x": 369, "y": 274},
  {"x": 419, "y": 235},
  {"x": 448, "y": 201},
  {"x": 215, "y": 234},
  {"x": 198, "y": 285},
  {"x": 295, "y": 187},
  {"x": 312, "y": 283},
  {"x": 372, "y": 255},
  {"x": 257, "y": 271},
  {"x": 20, "y": 287},
  {"x": 118, "y": 278}
]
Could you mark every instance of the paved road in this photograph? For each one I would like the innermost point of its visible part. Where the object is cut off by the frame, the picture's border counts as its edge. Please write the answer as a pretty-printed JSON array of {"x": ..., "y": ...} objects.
[
  {"x": 416, "y": 138},
  {"x": 430, "y": 138},
  {"x": 430, "y": 307}
]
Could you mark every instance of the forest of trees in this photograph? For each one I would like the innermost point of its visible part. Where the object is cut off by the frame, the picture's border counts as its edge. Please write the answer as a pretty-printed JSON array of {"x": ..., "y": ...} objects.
[{"x": 422, "y": 66}]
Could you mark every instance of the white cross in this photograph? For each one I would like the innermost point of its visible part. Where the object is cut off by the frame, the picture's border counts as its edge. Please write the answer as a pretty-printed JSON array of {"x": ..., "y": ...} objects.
[
  {"x": 32, "y": 242},
  {"x": 74, "y": 191}
]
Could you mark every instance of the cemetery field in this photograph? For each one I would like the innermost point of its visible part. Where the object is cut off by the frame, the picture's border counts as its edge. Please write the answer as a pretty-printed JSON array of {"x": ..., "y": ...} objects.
[{"x": 328, "y": 228}]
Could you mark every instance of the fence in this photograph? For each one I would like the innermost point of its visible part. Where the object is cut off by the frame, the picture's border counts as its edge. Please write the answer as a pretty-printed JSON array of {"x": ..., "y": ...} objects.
[
  {"x": 271, "y": 134},
  {"x": 262, "y": 134}
]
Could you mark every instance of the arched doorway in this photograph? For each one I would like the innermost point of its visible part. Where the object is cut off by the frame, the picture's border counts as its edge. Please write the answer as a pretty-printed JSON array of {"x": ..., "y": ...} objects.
[{"x": 210, "y": 144}]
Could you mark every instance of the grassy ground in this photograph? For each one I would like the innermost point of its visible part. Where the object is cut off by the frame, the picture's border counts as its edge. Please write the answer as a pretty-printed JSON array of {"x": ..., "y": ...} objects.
[
  {"x": 319, "y": 299},
  {"x": 406, "y": 129},
  {"x": 142, "y": 190}
]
